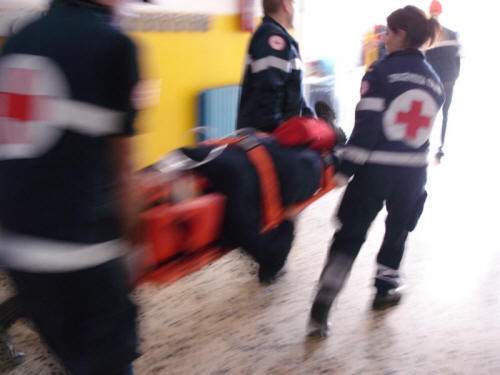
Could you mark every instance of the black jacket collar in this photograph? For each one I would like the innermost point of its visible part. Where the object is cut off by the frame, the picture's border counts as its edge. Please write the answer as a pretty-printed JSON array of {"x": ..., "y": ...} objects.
[
  {"x": 407, "y": 52},
  {"x": 89, "y": 4}
]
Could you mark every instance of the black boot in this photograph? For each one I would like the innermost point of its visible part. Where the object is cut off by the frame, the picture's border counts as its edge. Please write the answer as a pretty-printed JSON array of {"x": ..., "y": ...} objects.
[
  {"x": 389, "y": 287},
  {"x": 12, "y": 354},
  {"x": 439, "y": 155},
  {"x": 10, "y": 312},
  {"x": 386, "y": 298}
]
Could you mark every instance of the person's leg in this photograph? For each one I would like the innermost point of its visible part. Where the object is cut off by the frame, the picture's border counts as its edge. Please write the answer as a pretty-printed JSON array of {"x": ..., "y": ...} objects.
[
  {"x": 128, "y": 371},
  {"x": 85, "y": 317},
  {"x": 273, "y": 251},
  {"x": 404, "y": 207},
  {"x": 10, "y": 311},
  {"x": 448, "y": 89},
  {"x": 357, "y": 210}
]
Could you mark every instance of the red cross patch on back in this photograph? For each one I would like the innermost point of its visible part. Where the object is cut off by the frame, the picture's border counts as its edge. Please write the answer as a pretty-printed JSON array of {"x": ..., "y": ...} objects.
[
  {"x": 410, "y": 117},
  {"x": 413, "y": 119},
  {"x": 27, "y": 85}
]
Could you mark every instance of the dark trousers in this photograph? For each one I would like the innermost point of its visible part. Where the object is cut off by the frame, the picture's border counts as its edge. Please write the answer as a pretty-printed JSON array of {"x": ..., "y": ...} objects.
[
  {"x": 403, "y": 191},
  {"x": 10, "y": 311},
  {"x": 85, "y": 317},
  {"x": 448, "y": 89}
]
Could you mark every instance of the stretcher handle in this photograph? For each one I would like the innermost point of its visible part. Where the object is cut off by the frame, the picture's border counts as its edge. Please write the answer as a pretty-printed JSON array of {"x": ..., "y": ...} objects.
[{"x": 176, "y": 162}]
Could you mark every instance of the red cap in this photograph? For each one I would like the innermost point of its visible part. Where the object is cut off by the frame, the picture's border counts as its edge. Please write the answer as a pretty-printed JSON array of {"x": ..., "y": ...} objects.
[{"x": 435, "y": 7}]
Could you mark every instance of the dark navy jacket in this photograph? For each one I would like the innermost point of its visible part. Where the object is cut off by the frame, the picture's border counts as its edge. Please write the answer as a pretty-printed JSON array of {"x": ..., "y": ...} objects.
[
  {"x": 272, "y": 89},
  {"x": 65, "y": 89},
  {"x": 400, "y": 97},
  {"x": 444, "y": 56}
]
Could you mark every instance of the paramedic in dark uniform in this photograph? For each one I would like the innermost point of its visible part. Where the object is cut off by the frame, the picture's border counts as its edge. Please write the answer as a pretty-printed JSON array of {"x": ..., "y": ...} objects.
[
  {"x": 272, "y": 90},
  {"x": 444, "y": 57},
  {"x": 386, "y": 156},
  {"x": 67, "y": 206},
  {"x": 271, "y": 93}
]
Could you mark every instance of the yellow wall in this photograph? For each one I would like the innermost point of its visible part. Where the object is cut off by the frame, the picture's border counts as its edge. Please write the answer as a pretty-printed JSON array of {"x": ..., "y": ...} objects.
[{"x": 186, "y": 63}]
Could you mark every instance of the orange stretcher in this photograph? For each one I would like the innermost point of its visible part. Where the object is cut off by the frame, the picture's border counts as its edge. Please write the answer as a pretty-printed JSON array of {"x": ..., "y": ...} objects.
[{"x": 184, "y": 236}]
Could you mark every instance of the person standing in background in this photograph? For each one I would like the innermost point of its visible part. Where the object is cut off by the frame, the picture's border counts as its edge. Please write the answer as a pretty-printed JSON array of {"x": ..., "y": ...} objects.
[{"x": 444, "y": 57}]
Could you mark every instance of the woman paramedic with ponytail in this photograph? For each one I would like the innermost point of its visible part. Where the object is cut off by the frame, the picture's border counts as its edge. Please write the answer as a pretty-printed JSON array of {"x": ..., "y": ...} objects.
[{"x": 386, "y": 156}]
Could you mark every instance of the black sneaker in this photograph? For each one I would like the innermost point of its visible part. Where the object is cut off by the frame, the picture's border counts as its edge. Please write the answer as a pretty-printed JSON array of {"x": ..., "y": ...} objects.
[
  {"x": 439, "y": 155},
  {"x": 387, "y": 298},
  {"x": 7, "y": 348}
]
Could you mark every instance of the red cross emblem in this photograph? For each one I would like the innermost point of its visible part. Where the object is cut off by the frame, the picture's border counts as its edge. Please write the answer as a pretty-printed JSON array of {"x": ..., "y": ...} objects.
[
  {"x": 18, "y": 107},
  {"x": 413, "y": 119},
  {"x": 16, "y": 100}
]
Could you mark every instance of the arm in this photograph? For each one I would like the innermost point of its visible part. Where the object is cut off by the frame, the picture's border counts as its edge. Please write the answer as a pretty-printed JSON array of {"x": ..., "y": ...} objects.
[
  {"x": 270, "y": 67},
  {"x": 367, "y": 127},
  {"x": 123, "y": 83},
  {"x": 128, "y": 197}
]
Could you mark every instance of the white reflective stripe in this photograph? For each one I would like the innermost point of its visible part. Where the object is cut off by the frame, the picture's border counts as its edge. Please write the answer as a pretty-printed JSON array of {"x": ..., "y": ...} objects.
[
  {"x": 15, "y": 151},
  {"x": 35, "y": 254},
  {"x": 355, "y": 154},
  {"x": 86, "y": 118},
  {"x": 406, "y": 159},
  {"x": 297, "y": 64},
  {"x": 371, "y": 104},
  {"x": 361, "y": 156},
  {"x": 271, "y": 62}
]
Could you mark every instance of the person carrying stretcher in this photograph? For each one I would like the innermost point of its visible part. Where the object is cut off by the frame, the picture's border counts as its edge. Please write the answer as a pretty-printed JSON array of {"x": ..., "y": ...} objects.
[
  {"x": 386, "y": 156},
  {"x": 68, "y": 211},
  {"x": 272, "y": 90},
  {"x": 272, "y": 94}
]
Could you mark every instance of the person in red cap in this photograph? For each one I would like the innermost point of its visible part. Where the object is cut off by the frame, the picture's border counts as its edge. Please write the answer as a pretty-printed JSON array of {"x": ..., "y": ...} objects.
[
  {"x": 444, "y": 56},
  {"x": 435, "y": 8}
]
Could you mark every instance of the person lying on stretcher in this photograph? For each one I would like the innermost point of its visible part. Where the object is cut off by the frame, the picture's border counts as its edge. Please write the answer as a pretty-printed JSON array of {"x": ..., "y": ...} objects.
[{"x": 262, "y": 175}]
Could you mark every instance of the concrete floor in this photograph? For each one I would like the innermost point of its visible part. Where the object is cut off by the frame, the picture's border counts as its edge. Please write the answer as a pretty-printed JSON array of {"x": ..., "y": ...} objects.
[{"x": 222, "y": 321}]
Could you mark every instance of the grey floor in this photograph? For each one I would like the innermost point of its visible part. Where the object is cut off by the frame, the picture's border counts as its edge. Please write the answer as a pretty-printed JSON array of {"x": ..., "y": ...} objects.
[{"x": 221, "y": 321}]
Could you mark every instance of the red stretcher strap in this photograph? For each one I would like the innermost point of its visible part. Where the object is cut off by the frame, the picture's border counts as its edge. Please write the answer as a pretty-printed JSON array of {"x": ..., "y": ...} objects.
[
  {"x": 270, "y": 192},
  {"x": 273, "y": 212}
]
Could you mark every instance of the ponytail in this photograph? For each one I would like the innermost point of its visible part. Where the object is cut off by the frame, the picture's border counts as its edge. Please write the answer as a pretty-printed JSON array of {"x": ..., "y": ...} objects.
[
  {"x": 419, "y": 28},
  {"x": 434, "y": 28}
]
